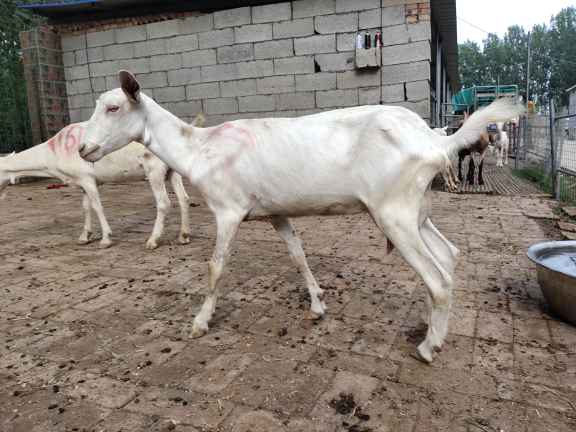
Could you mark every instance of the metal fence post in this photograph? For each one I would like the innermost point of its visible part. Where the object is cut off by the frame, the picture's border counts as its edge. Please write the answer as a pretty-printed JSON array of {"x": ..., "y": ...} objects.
[{"x": 553, "y": 168}]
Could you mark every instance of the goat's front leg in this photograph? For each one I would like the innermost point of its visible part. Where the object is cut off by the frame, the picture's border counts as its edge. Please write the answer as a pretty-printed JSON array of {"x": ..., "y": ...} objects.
[
  {"x": 286, "y": 231},
  {"x": 471, "y": 169},
  {"x": 156, "y": 177},
  {"x": 481, "y": 170},
  {"x": 86, "y": 235},
  {"x": 91, "y": 191},
  {"x": 227, "y": 225},
  {"x": 460, "y": 177},
  {"x": 184, "y": 203}
]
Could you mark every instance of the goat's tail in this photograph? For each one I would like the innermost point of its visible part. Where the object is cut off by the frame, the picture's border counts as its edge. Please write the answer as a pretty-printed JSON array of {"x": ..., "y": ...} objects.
[{"x": 501, "y": 110}]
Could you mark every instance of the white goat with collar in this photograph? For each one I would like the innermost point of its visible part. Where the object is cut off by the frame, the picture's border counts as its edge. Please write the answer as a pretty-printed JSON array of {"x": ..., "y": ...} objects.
[
  {"x": 59, "y": 158},
  {"x": 376, "y": 159}
]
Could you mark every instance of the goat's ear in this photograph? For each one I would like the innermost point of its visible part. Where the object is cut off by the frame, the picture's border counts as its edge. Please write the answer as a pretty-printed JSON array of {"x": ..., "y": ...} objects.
[{"x": 129, "y": 86}]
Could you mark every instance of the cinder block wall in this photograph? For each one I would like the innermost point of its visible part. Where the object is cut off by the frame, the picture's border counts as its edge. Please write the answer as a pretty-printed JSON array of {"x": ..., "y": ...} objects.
[{"x": 282, "y": 59}]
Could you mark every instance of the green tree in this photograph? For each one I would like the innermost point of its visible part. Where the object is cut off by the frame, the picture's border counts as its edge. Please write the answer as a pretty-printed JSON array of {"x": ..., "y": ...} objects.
[{"x": 563, "y": 53}]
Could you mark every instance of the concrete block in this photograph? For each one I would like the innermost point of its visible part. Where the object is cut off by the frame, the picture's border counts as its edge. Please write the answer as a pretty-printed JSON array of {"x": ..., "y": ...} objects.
[
  {"x": 73, "y": 42},
  {"x": 182, "y": 43},
  {"x": 100, "y": 38},
  {"x": 81, "y": 101},
  {"x": 406, "y": 33},
  {"x": 406, "y": 72},
  {"x": 199, "y": 58},
  {"x": 256, "y": 103},
  {"x": 271, "y": 12},
  {"x": 422, "y": 108},
  {"x": 232, "y": 17},
  {"x": 235, "y": 53},
  {"x": 76, "y": 72},
  {"x": 407, "y": 53},
  {"x": 169, "y": 94},
  {"x": 292, "y": 101},
  {"x": 420, "y": 31},
  {"x": 75, "y": 115},
  {"x": 111, "y": 82},
  {"x": 274, "y": 49},
  {"x": 255, "y": 69},
  {"x": 278, "y": 84},
  {"x": 197, "y": 24},
  {"x": 163, "y": 29},
  {"x": 417, "y": 90},
  {"x": 184, "y": 110},
  {"x": 329, "y": 24},
  {"x": 81, "y": 57},
  {"x": 150, "y": 48},
  {"x": 95, "y": 54},
  {"x": 115, "y": 52},
  {"x": 184, "y": 76},
  {"x": 358, "y": 78},
  {"x": 153, "y": 80},
  {"x": 243, "y": 87},
  {"x": 309, "y": 8},
  {"x": 130, "y": 34},
  {"x": 216, "y": 38},
  {"x": 356, "y": 5},
  {"x": 78, "y": 87},
  {"x": 335, "y": 62},
  {"x": 370, "y": 19},
  {"x": 219, "y": 72},
  {"x": 139, "y": 65},
  {"x": 392, "y": 93},
  {"x": 315, "y": 44},
  {"x": 220, "y": 106},
  {"x": 238, "y": 88},
  {"x": 99, "y": 84},
  {"x": 294, "y": 65},
  {"x": 369, "y": 96},
  {"x": 346, "y": 41},
  {"x": 165, "y": 62},
  {"x": 253, "y": 33},
  {"x": 203, "y": 91},
  {"x": 336, "y": 98},
  {"x": 316, "y": 81},
  {"x": 297, "y": 28},
  {"x": 393, "y": 15},
  {"x": 69, "y": 58}
]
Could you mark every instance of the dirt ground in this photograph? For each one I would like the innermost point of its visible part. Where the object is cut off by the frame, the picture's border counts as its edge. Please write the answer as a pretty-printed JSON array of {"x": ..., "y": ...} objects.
[{"x": 98, "y": 340}]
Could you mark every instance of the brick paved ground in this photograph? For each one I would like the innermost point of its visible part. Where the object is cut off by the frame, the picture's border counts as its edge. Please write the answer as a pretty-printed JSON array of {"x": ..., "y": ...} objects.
[{"x": 96, "y": 340}]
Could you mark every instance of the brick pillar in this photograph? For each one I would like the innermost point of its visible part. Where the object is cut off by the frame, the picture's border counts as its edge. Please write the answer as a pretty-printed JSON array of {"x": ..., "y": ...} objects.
[{"x": 45, "y": 82}]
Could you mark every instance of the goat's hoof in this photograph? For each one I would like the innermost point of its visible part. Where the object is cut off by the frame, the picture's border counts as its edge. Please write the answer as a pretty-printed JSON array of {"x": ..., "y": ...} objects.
[
  {"x": 423, "y": 353},
  {"x": 184, "y": 238},
  {"x": 85, "y": 239},
  {"x": 151, "y": 244},
  {"x": 313, "y": 316},
  {"x": 198, "y": 332},
  {"x": 105, "y": 243}
]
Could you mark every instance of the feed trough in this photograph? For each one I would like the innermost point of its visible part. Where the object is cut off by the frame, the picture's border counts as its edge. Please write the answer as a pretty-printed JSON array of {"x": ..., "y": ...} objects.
[{"x": 556, "y": 262}]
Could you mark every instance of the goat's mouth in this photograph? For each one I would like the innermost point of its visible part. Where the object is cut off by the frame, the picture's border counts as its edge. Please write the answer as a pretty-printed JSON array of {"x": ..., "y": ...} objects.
[{"x": 90, "y": 152}]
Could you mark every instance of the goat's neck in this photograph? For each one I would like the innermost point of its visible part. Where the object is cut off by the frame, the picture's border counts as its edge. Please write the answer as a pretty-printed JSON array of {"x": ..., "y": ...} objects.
[
  {"x": 29, "y": 163},
  {"x": 168, "y": 137}
]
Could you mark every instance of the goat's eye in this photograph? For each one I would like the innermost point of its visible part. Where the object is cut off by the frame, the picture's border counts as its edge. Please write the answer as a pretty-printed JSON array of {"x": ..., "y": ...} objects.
[{"x": 113, "y": 108}]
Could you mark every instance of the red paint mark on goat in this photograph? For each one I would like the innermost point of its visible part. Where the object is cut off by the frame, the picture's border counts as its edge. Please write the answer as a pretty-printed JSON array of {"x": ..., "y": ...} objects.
[
  {"x": 235, "y": 133},
  {"x": 67, "y": 140}
]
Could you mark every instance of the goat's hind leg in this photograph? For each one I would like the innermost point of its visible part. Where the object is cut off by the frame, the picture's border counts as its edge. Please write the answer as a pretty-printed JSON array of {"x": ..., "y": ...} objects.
[
  {"x": 286, "y": 231},
  {"x": 184, "y": 203},
  {"x": 86, "y": 235},
  {"x": 227, "y": 225},
  {"x": 156, "y": 174},
  {"x": 405, "y": 235},
  {"x": 91, "y": 191}
]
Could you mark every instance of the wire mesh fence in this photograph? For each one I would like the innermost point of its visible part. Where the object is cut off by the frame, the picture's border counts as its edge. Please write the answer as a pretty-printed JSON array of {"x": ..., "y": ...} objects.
[{"x": 565, "y": 141}]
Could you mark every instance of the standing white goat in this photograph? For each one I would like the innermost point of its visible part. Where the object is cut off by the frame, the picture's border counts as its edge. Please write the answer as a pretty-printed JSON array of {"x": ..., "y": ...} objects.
[
  {"x": 502, "y": 144},
  {"x": 59, "y": 158},
  {"x": 376, "y": 159}
]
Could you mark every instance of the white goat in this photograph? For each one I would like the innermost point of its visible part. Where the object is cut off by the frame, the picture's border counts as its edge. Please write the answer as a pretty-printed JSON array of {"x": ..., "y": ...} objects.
[
  {"x": 59, "y": 158},
  {"x": 501, "y": 145},
  {"x": 376, "y": 159}
]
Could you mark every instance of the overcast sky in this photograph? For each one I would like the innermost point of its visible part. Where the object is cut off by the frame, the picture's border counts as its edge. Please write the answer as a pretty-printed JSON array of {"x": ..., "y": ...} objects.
[{"x": 495, "y": 16}]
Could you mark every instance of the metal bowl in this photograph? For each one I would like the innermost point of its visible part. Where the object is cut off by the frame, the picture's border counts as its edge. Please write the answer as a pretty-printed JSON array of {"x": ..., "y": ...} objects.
[{"x": 556, "y": 263}]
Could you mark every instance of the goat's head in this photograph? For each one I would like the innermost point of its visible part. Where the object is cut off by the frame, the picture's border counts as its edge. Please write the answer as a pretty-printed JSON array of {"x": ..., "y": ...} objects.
[{"x": 118, "y": 119}]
